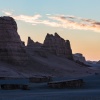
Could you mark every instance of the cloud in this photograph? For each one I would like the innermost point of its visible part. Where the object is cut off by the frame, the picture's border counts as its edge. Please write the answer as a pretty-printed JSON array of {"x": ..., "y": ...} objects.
[
  {"x": 7, "y": 13},
  {"x": 62, "y": 21},
  {"x": 96, "y": 23},
  {"x": 77, "y": 23},
  {"x": 48, "y": 14},
  {"x": 50, "y": 23},
  {"x": 34, "y": 20},
  {"x": 88, "y": 20},
  {"x": 29, "y": 19}
]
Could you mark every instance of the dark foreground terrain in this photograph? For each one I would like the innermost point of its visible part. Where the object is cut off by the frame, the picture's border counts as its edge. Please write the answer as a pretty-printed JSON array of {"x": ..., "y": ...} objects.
[{"x": 40, "y": 91}]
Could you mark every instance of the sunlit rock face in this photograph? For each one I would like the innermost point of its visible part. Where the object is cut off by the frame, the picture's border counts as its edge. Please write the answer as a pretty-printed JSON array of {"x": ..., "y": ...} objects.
[
  {"x": 58, "y": 46},
  {"x": 12, "y": 49}
]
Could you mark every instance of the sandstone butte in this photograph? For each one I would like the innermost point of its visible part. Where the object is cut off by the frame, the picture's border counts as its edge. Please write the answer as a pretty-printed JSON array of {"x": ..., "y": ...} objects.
[{"x": 12, "y": 49}]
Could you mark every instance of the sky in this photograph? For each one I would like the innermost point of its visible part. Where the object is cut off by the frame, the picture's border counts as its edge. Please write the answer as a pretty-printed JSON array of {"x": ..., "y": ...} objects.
[{"x": 74, "y": 20}]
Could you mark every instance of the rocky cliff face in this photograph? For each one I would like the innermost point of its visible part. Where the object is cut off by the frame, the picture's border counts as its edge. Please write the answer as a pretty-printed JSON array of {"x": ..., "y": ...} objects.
[
  {"x": 12, "y": 49},
  {"x": 58, "y": 46}
]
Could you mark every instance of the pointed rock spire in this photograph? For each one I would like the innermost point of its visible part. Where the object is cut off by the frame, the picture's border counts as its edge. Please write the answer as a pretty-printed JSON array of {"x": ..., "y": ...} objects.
[{"x": 30, "y": 42}]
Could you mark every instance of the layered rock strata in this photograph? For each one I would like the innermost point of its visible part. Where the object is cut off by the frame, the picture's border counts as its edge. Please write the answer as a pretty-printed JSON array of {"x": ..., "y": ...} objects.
[
  {"x": 12, "y": 49},
  {"x": 58, "y": 46}
]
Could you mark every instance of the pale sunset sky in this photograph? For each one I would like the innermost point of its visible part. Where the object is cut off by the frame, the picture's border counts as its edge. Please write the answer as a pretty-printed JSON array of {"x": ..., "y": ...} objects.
[{"x": 75, "y": 20}]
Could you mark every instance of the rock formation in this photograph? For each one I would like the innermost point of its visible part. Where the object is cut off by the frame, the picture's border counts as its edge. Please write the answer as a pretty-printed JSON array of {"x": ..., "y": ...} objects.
[
  {"x": 34, "y": 48},
  {"x": 58, "y": 46},
  {"x": 32, "y": 44},
  {"x": 12, "y": 49},
  {"x": 98, "y": 62},
  {"x": 79, "y": 57}
]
